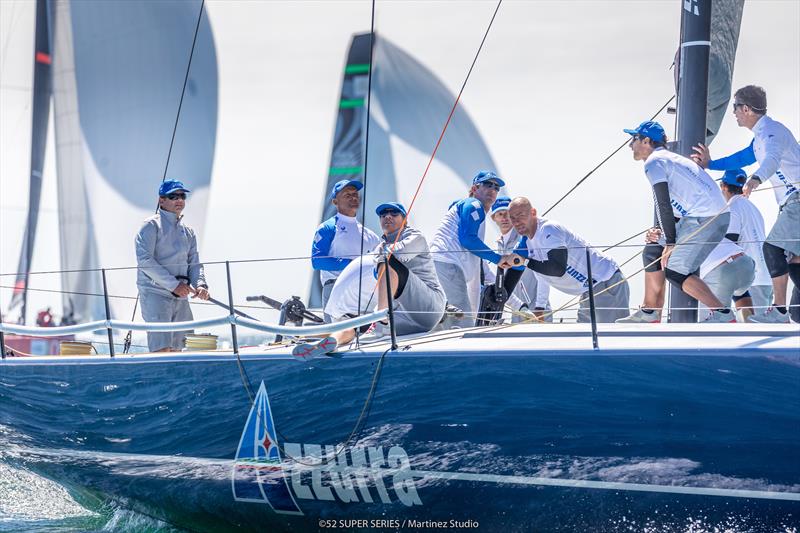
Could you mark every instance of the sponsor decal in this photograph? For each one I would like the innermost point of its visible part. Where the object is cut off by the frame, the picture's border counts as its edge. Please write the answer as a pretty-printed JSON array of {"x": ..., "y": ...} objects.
[{"x": 280, "y": 476}]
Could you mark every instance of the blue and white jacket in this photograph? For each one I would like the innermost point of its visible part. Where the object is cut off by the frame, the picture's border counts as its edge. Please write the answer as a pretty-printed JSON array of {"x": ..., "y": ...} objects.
[{"x": 336, "y": 242}]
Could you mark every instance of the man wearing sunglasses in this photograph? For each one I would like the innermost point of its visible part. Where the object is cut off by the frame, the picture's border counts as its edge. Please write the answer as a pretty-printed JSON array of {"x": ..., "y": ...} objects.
[
  {"x": 458, "y": 247},
  {"x": 418, "y": 297},
  {"x": 684, "y": 192},
  {"x": 337, "y": 241},
  {"x": 169, "y": 268},
  {"x": 777, "y": 153}
]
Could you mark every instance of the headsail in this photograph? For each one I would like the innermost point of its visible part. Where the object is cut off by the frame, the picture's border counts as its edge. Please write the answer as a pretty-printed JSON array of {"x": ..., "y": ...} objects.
[
  {"x": 118, "y": 73},
  {"x": 409, "y": 108},
  {"x": 42, "y": 89}
]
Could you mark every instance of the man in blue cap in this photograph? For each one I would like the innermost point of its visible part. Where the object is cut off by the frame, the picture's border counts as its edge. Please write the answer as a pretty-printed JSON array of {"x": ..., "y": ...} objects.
[
  {"x": 777, "y": 153},
  {"x": 339, "y": 239},
  {"x": 169, "y": 268},
  {"x": 417, "y": 296},
  {"x": 684, "y": 192},
  {"x": 747, "y": 230},
  {"x": 458, "y": 247}
]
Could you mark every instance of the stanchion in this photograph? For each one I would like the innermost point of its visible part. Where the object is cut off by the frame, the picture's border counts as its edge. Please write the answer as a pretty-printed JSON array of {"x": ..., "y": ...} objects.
[
  {"x": 595, "y": 344},
  {"x": 230, "y": 308},
  {"x": 2, "y": 339},
  {"x": 389, "y": 301},
  {"x": 108, "y": 315}
]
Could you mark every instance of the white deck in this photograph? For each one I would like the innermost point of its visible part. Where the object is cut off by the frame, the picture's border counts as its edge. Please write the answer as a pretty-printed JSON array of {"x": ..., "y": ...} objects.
[{"x": 745, "y": 340}]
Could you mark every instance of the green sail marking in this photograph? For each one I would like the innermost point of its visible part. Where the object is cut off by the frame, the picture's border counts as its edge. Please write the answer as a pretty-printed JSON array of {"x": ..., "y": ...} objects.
[
  {"x": 347, "y": 103},
  {"x": 357, "y": 68},
  {"x": 335, "y": 171}
]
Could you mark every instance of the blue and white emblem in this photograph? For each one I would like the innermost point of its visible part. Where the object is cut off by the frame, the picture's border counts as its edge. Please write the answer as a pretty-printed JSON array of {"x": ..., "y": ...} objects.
[{"x": 258, "y": 474}]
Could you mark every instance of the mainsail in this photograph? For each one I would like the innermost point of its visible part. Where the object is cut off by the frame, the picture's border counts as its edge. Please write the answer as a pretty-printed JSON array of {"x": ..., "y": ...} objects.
[
  {"x": 409, "y": 108},
  {"x": 117, "y": 74},
  {"x": 42, "y": 88}
]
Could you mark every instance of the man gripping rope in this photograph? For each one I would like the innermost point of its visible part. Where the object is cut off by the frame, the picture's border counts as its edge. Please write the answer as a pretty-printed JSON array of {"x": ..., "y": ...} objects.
[
  {"x": 683, "y": 192},
  {"x": 458, "y": 247},
  {"x": 338, "y": 240},
  {"x": 552, "y": 250},
  {"x": 169, "y": 267},
  {"x": 777, "y": 153}
]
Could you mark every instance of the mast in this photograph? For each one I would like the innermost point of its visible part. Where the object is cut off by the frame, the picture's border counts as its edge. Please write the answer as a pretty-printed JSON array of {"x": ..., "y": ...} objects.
[
  {"x": 42, "y": 90},
  {"x": 692, "y": 107}
]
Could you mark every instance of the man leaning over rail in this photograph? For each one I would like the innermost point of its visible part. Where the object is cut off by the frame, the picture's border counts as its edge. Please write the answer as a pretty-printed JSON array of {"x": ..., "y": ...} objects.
[
  {"x": 458, "y": 247},
  {"x": 169, "y": 267},
  {"x": 777, "y": 153},
  {"x": 552, "y": 250},
  {"x": 683, "y": 192},
  {"x": 338, "y": 240},
  {"x": 418, "y": 297}
]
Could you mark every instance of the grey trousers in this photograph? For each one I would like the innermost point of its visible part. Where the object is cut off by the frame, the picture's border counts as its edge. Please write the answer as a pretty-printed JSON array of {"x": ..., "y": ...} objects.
[
  {"x": 609, "y": 304},
  {"x": 785, "y": 234},
  {"x": 454, "y": 284},
  {"x": 327, "y": 288},
  {"x": 731, "y": 279},
  {"x": 694, "y": 243},
  {"x": 157, "y": 307}
]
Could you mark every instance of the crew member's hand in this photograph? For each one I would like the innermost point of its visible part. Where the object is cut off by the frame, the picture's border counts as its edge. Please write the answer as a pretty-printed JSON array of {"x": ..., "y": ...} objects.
[
  {"x": 202, "y": 293},
  {"x": 665, "y": 256},
  {"x": 652, "y": 235},
  {"x": 751, "y": 185},
  {"x": 511, "y": 261},
  {"x": 183, "y": 290},
  {"x": 701, "y": 155}
]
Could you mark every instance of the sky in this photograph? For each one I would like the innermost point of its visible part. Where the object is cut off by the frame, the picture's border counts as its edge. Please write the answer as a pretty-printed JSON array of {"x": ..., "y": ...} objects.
[{"x": 551, "y": 91}]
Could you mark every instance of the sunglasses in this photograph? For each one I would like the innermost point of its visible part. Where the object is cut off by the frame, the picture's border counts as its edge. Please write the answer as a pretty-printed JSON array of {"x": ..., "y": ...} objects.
[
  {"x": 390, "y": 213},
  {"x": 737, "y": 105},
  {"x": 491, "y": 185},
  {"x": 176, "y": 196}
]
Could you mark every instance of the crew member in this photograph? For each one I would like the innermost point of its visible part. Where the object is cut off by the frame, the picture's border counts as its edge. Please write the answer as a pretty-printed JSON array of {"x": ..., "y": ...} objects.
[
  {"x": 458, "y": 247},
  {"x": 339, "y": 239},
  {"x": 417, "y": 296},
  {"x": 169, "y": 268},
  {"x": 683, "y": 191},
  {"x": 777, "y": 153},
  {"x": 531, "y": 294},
  {"x": 552, "y": 250}
]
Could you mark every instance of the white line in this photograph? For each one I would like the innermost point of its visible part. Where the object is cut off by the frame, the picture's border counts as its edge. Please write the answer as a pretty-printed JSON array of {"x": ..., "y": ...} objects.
[
  {"x": 609, "y": 485},
  {"x": 695, "y": 43}
]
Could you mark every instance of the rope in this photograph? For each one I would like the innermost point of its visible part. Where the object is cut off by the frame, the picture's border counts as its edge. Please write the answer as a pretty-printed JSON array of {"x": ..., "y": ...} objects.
[{"x": 609, "y": 156}]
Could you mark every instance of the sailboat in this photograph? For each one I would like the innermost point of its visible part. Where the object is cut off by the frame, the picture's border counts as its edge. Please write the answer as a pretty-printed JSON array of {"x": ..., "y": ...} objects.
[{"x": 523, "y": 427}]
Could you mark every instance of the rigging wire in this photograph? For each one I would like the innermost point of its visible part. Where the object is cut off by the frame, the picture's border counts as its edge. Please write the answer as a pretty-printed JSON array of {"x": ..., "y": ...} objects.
[
  {"x": 128, "y": 336},
  {"x": 609, "y": 156},
  {"x": 366, "y": 158}
]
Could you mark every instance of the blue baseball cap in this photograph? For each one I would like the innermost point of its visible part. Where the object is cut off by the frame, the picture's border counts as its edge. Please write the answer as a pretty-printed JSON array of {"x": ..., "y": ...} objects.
[
  {"x": 487, "y": 175},
  {"x": 501, "y": 204},
  {"x": 171, "y": 186},
  {"x": 339, "y": 185},
  {"x": 736, "y": 177},
  {"x": 651, "y": 129},
  {"x": 390, "y": 206}
]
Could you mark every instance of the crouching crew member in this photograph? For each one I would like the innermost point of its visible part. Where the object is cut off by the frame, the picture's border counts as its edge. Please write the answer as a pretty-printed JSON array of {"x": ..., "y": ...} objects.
[
  {"x": 417, "y": 296},
  {"x": 458, "y": 247},
  {"x": 169, "y": 267},
  {"x": 338, "y": 240},
  {"x": 683, "y": 191},
  {"x": 554, "y": 251}
]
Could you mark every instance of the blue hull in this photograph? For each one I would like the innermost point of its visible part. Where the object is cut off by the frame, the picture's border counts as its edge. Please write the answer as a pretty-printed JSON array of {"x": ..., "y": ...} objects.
[{"x": 512, "y": 443}]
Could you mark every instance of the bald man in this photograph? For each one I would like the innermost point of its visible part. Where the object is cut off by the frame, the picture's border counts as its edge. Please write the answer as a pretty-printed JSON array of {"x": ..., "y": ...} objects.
[{"x": 552, "y": 250}]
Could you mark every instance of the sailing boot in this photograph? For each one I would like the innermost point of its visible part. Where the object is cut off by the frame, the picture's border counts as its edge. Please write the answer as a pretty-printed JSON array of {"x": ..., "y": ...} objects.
[
  {"x": 770, "y": 316},
  {"x": 641, "y": 317},
  {"x": 718, "y": 316},
  {"x": 323, "y": 347}
]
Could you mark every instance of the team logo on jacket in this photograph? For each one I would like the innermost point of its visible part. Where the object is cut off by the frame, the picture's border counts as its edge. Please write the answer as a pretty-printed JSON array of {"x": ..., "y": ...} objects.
[{"x": 280, "y": 475}]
